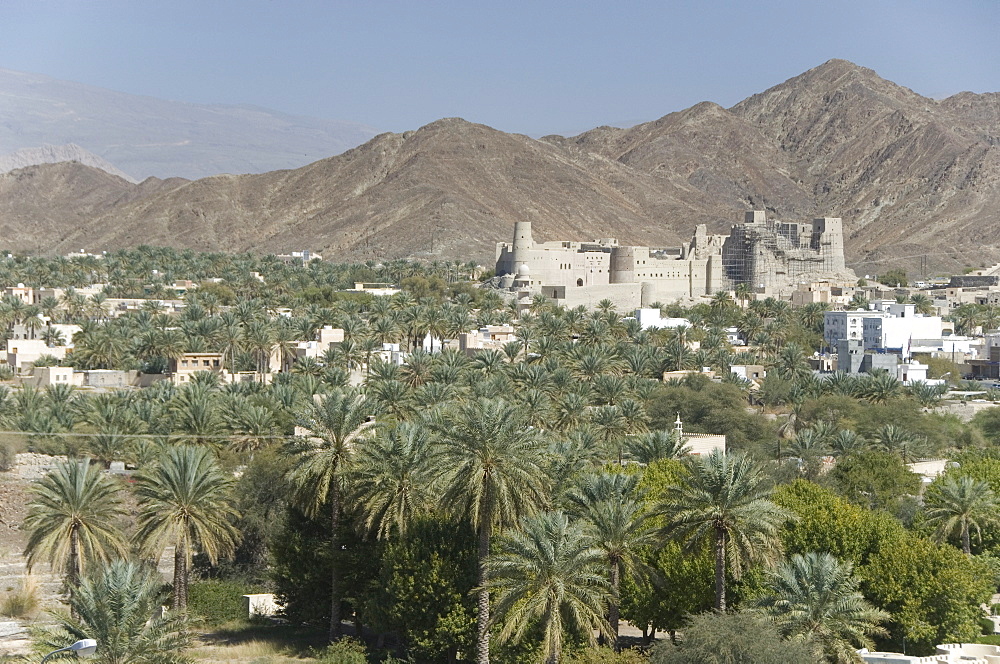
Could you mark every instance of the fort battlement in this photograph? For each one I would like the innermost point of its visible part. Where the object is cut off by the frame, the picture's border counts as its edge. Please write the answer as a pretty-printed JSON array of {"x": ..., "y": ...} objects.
[{"x": 768, "y": 255}]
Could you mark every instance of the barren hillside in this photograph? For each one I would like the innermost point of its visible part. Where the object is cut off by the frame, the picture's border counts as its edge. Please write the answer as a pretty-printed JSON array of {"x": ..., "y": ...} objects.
[{"x": 911, "y": 176}]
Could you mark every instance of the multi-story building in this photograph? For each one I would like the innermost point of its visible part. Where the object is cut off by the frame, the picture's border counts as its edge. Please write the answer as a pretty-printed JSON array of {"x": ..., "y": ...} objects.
[{"x": 888, "y": 326}]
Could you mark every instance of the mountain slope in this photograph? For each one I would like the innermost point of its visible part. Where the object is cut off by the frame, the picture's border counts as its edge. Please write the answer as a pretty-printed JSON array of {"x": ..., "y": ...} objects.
[
  {"x": 451, "y": 188},
  {"x": 911, "y": 177},
  {"x": 908, "y": 173},
  {"x": 145, "y": 136},
  {"x": 54, "y": 154}
]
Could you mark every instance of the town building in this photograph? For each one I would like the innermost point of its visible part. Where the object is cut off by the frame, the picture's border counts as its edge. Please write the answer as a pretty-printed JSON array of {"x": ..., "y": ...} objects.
[
  {"x": 887, "y": 325},
  {"x": 20, "y": 292},
  {"x": 183, "y": 368},
  {"x": 22, "y": 353},
  {"x": 653, "y": 319},
  {"x": 837, "y": 295},
  {"x": 770, "y": 256}
]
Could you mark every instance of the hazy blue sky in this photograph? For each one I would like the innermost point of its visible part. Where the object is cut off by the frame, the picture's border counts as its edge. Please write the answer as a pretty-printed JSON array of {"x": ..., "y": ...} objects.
[{"x": 534, "y": 67}]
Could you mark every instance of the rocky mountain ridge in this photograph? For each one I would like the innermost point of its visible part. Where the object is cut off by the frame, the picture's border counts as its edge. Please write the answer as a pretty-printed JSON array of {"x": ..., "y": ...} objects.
[
  {"x": 917, "y": 181},
  {"x": 54, "y": 154}
]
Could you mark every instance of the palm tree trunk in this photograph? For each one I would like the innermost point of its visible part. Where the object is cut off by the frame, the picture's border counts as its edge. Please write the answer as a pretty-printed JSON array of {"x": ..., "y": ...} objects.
[
  {"x": 556, "y": 653},
  {"x": 335, "y": 630},
  {"x": 73, "y": 569},
  {"x": 966, "y": 543},
  {"x": 483, "y": 599},
  {"x": 613, "y": 604},
  {"x": 720, "y": 570},
  {"x": 180, "y": 574}
]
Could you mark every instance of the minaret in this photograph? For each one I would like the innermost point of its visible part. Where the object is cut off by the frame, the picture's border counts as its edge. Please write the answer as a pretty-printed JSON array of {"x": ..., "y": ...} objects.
[{"x": 679, "y": 428}]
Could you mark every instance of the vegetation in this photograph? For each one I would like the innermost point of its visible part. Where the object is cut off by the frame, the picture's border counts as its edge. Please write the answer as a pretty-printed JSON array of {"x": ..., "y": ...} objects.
[
  {"x": 505, "y": 504},
  {"x": 115, "y": 606}
]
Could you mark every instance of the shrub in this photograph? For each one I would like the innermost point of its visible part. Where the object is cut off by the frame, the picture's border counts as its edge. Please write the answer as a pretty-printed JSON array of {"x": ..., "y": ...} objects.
[
  {"x": 8, "y": 455},
  {"x": 23, "y": 601},
  {"x": 345, "y": 651},
  {"x": 605, "y": 655},
  {"x": 218, "y": 601},
  {"x": 6, "y": 373}
]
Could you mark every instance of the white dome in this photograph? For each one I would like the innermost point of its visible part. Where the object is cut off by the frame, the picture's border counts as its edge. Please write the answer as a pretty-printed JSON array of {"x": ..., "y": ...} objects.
[{"x": 522, "y": 270}]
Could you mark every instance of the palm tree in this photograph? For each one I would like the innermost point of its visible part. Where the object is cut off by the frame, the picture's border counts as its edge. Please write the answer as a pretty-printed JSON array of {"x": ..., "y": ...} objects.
[
  {"x": 335, "y": 424},
  {"x": 725, "y": 499},
  {"x": 611, "y": 424},
  {"x": 924, "y": 305},
  {"x": 616, "y": 520},
  {"x": 196, "y": 412},
  {"x": 72, "y": 516},
  {"x": 548, "y": 572},
  {"x": 816, "y": 597},
  {"x": 963, "y": 504},
  {"x": 389, "y": 479},
  {"x": 185, "y": 501},
  {"x": 654, "y": 446},
  {"x": 489, "y": 469},
  {"x": 118, "y": 608}
]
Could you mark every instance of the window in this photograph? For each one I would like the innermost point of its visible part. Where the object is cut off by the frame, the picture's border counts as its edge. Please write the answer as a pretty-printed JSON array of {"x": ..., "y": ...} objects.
[{"x": 579, "y": 282}]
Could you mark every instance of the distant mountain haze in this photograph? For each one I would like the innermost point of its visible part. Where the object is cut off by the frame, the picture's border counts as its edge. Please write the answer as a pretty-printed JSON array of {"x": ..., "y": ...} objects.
[
  {"x": 54, "y": 154},
  {"x": 145, "y": 136},
  {"x": 917, "y": 181}
]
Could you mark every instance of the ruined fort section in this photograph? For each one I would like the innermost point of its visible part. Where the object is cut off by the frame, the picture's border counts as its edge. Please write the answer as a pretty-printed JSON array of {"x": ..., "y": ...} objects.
[
  {"x": 774, "y": 255},
  {"x": 770, "y": 256}
]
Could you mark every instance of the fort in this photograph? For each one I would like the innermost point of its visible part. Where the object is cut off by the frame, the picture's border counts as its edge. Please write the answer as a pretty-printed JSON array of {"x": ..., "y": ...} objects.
[{"x": 770, "y": 256}]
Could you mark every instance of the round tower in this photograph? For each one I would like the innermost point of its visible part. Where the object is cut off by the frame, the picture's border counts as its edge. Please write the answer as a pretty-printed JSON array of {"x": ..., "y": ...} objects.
[
  {"x": 622, "y": 265},
  {"x": 522, "y": 242}
]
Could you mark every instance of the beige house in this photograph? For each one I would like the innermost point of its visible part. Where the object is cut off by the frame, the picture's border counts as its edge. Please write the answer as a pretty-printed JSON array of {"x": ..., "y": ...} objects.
[
  {"x": 183, "y": 368},
  {"x": 22, "y": 353},
  {"x": 45, "y": 376},
  {"x": 21, "y": 292}
]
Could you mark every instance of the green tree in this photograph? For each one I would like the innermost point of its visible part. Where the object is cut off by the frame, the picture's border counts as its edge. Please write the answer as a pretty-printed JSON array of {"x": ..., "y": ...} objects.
[
  {"x": 424, "y": 588},
  {"x": 72, "y": 519},
  {"x": 185, "y": 501},
  {"x": 816, "y": 596},
  {"x": 725, "y": 500},
  {"x": 735, "y": 638},
  {"x": 390, "y": 477},
  {"x": 489, "y": 469},
  {"x": 617, "y": 522},
  {"x": 654, "y": 446},
  {"x": 933, "y": 592},
  {"x": 322, "y": 459},
  {"x": 116, "y": 606},
  {"x": 894, "y": 277},
  {"x": 960, "y": 504},
  {"x": 549, "y": 573},
  {"x": 878, "y": 480}
]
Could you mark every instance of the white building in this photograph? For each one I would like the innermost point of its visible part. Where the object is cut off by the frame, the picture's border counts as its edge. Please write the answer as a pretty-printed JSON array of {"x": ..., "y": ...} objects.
[
  {"x": 652, "y": 318},
  {"x": 24, "y": 352},
  {"x": 900, "y": 325},
  {"x": 889, "y": 326},
  {"x": 839, "y": 325}
]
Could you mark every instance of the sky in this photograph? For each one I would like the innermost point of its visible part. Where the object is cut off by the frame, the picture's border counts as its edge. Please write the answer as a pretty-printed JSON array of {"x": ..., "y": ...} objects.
[{"x": 534, "y": 67}]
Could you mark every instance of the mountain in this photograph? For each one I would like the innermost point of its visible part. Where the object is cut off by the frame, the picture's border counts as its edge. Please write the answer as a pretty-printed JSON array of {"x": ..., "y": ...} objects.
[
  {"x": 916, "y": 180},
  {"x": 53, "y": 154},
  {"x": 910, "y": 175},
  {"x": 145, "y": 136}
]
